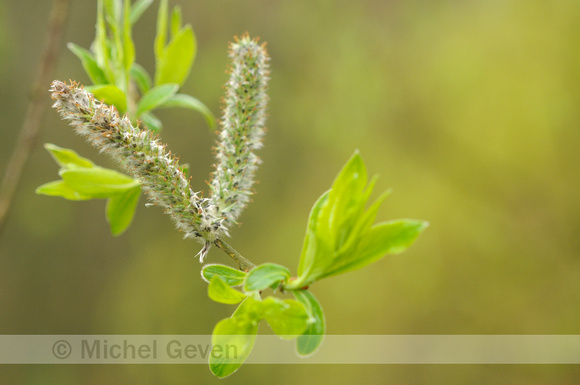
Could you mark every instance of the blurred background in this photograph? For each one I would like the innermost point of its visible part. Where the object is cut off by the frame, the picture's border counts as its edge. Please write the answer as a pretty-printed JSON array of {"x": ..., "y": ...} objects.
[{"x": 469, "y": 110}]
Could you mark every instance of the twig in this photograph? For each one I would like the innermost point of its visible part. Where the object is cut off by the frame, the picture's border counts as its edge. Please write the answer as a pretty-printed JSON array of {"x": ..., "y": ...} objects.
[
  {"x": 31, "y": 125},
  {"x": 243, "y": 263}
]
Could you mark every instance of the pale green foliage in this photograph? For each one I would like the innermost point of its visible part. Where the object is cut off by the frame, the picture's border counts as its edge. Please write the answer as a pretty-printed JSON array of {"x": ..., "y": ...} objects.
[
  {"x": 82, "y": 180},
  {"x": 118, "y": 79},
  {"x": 220, "y": 291},
  {"x": 264, "y": 276},
  {"x": 229, "y": 275},
  {"x": 340, "y": 237},
  {"x": 312, "y": 337}
]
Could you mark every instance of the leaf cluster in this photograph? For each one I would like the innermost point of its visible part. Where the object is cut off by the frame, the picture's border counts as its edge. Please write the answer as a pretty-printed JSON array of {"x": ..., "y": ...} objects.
[
  {"x": 300, "y": 318},
  {"x": 83, "y": 180},
  {"x": 121, "y": 82},
  {"x": 341, "y": 236}
]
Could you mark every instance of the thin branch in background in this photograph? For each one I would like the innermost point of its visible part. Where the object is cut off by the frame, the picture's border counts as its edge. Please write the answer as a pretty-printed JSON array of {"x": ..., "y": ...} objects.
[{"x": 31, "y": 126}]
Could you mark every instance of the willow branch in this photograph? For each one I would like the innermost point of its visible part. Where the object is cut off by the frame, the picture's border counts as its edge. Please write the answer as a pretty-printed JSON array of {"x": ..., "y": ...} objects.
[
  {"x": 243, "y": 263},
  {"x": 31, "y": 126}
]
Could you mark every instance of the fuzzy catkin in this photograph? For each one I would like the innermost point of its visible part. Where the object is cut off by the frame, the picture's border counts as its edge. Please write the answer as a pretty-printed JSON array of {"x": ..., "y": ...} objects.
[
  {"x": 242, "y": 129},
  {"x": 141, "y": 154}
]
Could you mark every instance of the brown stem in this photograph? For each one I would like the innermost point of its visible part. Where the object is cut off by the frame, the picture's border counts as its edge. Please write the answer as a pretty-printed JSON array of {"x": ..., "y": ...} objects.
[
  {"x": 31, "y": 125},
  {"x": 243, "y": 263}
]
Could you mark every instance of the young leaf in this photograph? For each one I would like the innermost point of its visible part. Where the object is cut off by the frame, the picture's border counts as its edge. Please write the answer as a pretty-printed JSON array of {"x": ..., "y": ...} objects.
[
  {"x": 219, "y": 291},
  {"x": 128, "y": 46},
  {"x": 60, "y": 189},
  {"x": 287, "y": 318},
  {"x": 155, "y": 97},
  {"x": 175, "y": 21},
  {"x": 67, "y": 158},
  {"x": 97, "y": 182},
  {"x": 121, "y": 209},
  {"x": 391, "y": 237},
  {"x": 339, "y": 225},
  {"x": 141, "y": 77},
  {"x": 112, "y": 12},
  {"x": 187, "y": 101},
  {"x": 315, "y": 243},
  {"x": 264, "y": 276},
  {"x": 161, "y": 35},
  {"x": 111, "y": 95},
  {"x": 312, "y": 337},
  {"x": 101, "y": 45},
  {"x": 251, "y": 308},
  {"x": 89, "y": 63},
  {"x": 233, "y": 340},
  {"x": 174, "y": 63},
  {"x": 229, "y": 275},
  {"x": 346, "y": 200},
  {"x": 138, "y": 8}
]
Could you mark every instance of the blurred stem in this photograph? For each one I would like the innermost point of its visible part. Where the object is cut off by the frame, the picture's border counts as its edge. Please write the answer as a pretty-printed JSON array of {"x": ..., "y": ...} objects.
[
  {"x": 36, "y": 105},
  {"x": 243, "y": 263}
]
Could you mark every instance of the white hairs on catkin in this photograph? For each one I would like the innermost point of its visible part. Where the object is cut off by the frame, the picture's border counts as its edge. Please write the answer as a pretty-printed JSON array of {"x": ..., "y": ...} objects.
[
  {"x": 242, "y": 128},
  {"x": 141, "y": 154}
]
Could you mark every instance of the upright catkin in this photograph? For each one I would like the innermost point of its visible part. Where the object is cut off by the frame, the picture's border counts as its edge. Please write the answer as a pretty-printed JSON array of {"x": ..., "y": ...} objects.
[{"x": 242, "y": 128}]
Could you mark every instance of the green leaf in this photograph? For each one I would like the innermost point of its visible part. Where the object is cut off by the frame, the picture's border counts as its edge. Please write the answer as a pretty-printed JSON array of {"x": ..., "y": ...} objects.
[
  {"x": 97, "y": 182},
  {"x": 391, "y": 237},
  {"x": 312, "y": 337},
  {"x": 175, "y": 21},
  {"x": 101, "y": 45},
  {"x": 187, "y": 101},
  {"x": 264, "y": 276},
  {"x": 229, "y": 275},
  {"x": 128, "y": 46},
  {"x": 345, "y": 201},
  {"x": 151, "y": 122},
  {"x": 60, "y": 189},
  {"x": 314, "y": 241},
  {"x": 175, "y": 61},
  {"x": 141, "y": 77},
  {"x": 233, "y": 340},
  {"x": 251, "y": 308},
  {"x": 89, "y": 63},
  {"x": 155, "y": 97},
  {"x": 287, "y": 318},
  {"x": 112, "y": 12},
  {"x": 219, "y": 291},
  {"x": 138, "y": 8},
  {"x": 339, "y": 235},
  {"x": 111, "y": 95},
  {"x": 67, "y": 158},
  {"x": 161, "y": 34},
  {"x": 121, "y": 209}
]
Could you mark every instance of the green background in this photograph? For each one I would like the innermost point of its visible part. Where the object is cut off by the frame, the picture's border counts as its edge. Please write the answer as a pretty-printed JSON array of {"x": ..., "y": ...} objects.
[{"x": 469, "y": 110}]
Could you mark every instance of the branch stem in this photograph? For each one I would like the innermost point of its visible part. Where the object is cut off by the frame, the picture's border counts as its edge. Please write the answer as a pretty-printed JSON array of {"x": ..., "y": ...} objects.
[
  {"x": 243, "y": 263},
  {"x": 31, "y": 126}
]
